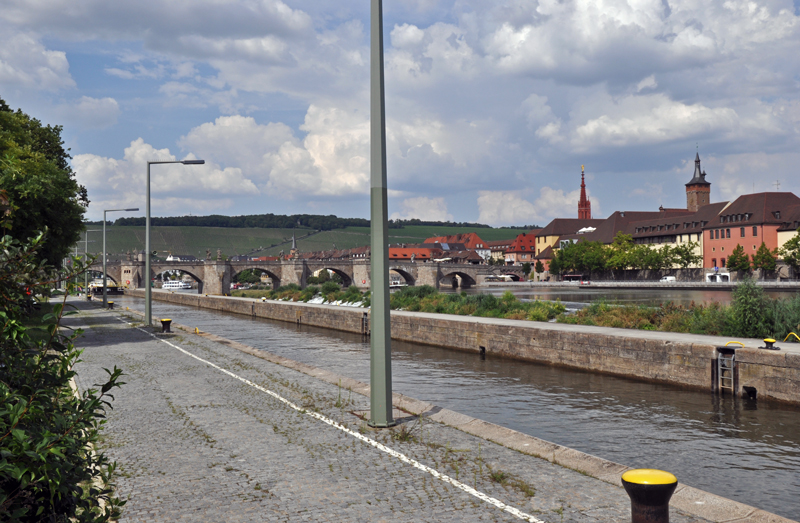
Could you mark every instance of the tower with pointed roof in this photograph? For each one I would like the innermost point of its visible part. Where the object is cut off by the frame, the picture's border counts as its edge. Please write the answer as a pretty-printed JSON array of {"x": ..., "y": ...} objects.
[
  {"x": 584, "y": 205},
  {"x": 293, "y": 251},
  {"x": 698, "y": 190}
]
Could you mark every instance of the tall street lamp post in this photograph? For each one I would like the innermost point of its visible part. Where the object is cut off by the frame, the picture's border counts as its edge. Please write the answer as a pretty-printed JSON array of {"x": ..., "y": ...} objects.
[
  {"x": 105, "y": 278},
  {"x": 380, "y": 361},
  {"x": 148, "y": 293}
]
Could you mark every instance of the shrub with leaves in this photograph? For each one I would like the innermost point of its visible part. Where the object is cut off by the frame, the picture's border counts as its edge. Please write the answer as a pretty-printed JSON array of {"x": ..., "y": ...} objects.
[{"x": 48, "y": 468}]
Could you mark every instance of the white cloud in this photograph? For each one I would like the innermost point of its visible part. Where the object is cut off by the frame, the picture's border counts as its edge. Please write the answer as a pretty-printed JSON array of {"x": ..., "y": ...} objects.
[
  {"x": 651, "y": 119},
  {"x": 647, "y": 83},
  {"x": 25, "y": 63},
  {"x": 511, "y": 208},
  {"x": 484, "y": 99},
  {"x": 504, "y": 207},
  {"x": 332, "y": 160},
  {"x": 200, "y": 187},
  {"x": 91, "y": 113},
  {"x": 423, "y": 208}
]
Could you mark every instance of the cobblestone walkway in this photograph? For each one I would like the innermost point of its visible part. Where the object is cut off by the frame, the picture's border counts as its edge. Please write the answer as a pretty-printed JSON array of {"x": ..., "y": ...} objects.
[{"x": 196, "y": 444}]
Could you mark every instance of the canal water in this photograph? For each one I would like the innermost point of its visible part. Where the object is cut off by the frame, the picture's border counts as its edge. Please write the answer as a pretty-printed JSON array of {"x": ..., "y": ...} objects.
[{"x": 740, "y": 449}]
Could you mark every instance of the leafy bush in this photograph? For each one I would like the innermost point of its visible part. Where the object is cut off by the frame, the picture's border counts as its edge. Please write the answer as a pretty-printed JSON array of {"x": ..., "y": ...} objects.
[
  {"x": 48, "y": 471},
  {"x": 329, "y": 287},
  {"x": 428, "y": 299},
  {"x": 749, "y": 311}
]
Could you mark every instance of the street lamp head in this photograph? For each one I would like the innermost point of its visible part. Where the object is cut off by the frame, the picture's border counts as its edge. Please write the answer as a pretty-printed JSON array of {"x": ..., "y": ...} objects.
[
  {"x": 136, "y": 209},
  {"x": 193, "y": 162}
]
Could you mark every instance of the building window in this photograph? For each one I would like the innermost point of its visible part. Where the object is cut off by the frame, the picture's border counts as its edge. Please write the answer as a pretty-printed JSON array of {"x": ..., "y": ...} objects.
[
  {"x": 755, "y": 230},
  {"x": 716, "y": 234},
  {"x": 727, "y": 234},
  {"x": 710, "y": 235},
  {"x": 741, "y": 231},
  {"x": 713, "y": 262},
  {"x": 722, "y": 262}
]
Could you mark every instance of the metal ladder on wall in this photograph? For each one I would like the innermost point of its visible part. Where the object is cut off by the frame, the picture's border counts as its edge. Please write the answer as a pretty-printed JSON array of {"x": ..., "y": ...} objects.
[{"x": 725, "y": 363}]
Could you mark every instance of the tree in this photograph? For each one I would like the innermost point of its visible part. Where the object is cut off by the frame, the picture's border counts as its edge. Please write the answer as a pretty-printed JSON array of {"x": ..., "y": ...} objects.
[
  {"x": 738, "y": 260},
  {"x": 555, "y": 264},
  {"x": 47, "y": 471},
  {"x": 684, "y": 255},
  {"x": 622, "y": 252},
  {"x": 764, "y": 258},
  {"x": 539, "y": 267},
  {"x": 790, "y": 252},
  {"x": 526, "y": 268},
  {"x": 40, "y": 185}
]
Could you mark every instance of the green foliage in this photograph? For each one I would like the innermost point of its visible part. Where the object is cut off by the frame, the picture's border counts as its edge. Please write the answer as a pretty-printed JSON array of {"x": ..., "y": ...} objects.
[
  {"x": 539, "y": 267},
  {"x": 48, "y": 471},
  {"x": 738, "y": 260},
  {"x": 764, "y": 258},
  {"x": 586, "y": 256},
  {"x": 751, "y": 314},
  {"x": 790, "y": 252},
  {"x": 39, "y": 184},
  {"x": 428, "y": 299},
  {"x": 526, "y": 268},
  {"x": 749, "y": 311},
  {"x": 329, "y": 287},
  {"x": 249, "y": 276}
]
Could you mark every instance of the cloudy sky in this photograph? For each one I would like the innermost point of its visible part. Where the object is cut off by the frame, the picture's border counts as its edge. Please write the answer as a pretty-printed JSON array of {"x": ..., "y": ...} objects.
[{"x": 492, "y": 107}]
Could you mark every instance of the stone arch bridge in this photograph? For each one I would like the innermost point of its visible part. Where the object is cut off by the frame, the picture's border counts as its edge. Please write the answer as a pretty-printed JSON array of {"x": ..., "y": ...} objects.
[{"x": 215, "y": 277}]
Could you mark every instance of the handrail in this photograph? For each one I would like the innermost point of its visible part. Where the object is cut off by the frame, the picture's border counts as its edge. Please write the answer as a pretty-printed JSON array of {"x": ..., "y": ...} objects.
[
  {"x": 739, "y": 342},
  {"x": 791, "y": 334}
]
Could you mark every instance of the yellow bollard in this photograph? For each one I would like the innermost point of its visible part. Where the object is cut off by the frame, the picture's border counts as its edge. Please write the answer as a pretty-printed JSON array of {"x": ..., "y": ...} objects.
[{"x": 649, "y": 490}]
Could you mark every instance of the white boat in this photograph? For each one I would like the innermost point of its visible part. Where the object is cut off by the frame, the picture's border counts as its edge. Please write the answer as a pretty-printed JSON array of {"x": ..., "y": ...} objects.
[
  {"x": 175, "y": 285},
  {"x": 397, "y": 284},
  {"x": 96, "y": 287}
]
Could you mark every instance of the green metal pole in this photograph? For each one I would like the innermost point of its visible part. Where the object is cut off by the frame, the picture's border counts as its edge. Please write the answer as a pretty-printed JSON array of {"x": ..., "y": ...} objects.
[
  {"x": 105, "y": 295},
  {"x": 381, "y": 338},
  {"x": 148, "y": 315}
]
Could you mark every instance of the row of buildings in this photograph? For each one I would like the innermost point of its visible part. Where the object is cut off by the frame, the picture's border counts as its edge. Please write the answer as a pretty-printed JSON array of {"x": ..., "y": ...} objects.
[{"x": 714, "y": 228}]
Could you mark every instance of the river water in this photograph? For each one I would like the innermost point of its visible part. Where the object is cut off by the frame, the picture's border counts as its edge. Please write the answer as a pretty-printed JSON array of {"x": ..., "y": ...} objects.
[{"x": 740, "y": 449}]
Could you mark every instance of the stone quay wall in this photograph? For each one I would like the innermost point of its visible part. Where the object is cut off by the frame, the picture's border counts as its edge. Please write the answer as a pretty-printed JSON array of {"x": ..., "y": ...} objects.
[{"x": 679, "y": 359}]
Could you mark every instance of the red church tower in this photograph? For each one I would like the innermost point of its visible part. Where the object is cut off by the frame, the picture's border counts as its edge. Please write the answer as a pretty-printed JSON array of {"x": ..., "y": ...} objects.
[{"x": 584, "y": 205}]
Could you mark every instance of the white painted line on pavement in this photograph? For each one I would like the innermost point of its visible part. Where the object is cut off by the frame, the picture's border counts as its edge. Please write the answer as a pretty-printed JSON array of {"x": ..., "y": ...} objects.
[{"x": 402, "y": 457}]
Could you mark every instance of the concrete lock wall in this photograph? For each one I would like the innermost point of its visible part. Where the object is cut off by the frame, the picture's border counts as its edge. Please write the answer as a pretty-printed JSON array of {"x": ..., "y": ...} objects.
[{"x": 679, "y": 359}]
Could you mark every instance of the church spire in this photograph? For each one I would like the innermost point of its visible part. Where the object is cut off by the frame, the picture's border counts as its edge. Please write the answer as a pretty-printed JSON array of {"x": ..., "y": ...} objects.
[
  {"x": 698, "y": 190},
  {"x": 584, "y": 205}
]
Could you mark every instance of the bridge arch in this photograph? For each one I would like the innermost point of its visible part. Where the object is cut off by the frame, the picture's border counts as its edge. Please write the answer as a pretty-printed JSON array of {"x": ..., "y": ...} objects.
[
  {"x": 276, "y": 279},
  {"x": 514, "y": 276},
  {"x": 407, "y": 276},
  {"x": 458, "y": 279},
  {"x": 96, "y": 273},
  {"x": 347, "y": 279},
  {"x": 161, "y": 269}
]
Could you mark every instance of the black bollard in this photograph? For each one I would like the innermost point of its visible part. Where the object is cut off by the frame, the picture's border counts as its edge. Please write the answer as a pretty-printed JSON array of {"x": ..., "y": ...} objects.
[
  {"x": 649, "y": 490},
  {"x": 111, "y": 305},
  {"x": 165, "y": 325}
]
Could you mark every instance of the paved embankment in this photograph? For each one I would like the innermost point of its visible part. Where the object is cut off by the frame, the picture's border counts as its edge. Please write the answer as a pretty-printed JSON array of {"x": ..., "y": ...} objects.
[
  {"x": 206, "y": 429},
  {"x": 668, "y": 357}
]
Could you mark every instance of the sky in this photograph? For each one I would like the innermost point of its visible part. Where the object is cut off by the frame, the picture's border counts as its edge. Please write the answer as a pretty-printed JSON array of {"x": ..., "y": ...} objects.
[{"x": 491, "y": 107}]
